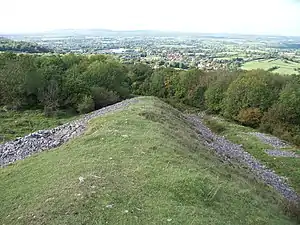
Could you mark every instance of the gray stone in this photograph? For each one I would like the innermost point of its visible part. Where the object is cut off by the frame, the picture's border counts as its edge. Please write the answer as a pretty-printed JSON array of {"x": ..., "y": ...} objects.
[
  {"x": 233, "y": 152},
  {"x": 270, "y": 140},
  {"x": 281, "y": 153},
  {"x": 42, "y": 140}
]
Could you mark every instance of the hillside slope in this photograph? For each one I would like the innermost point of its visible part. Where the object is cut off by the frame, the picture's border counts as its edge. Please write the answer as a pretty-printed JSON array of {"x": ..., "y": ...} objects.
[{"x": 141, "y": 165}]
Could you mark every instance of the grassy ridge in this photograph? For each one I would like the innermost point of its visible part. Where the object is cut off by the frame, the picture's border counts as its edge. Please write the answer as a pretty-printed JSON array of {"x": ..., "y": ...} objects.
[{"x": 143, "y": 165}]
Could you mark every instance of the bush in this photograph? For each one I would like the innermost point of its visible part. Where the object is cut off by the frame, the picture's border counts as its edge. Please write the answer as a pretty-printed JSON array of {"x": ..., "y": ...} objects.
[
  {"x": 86, "y": 105},
  {"x": 102, "y": 97},
  {"x": 214, "y": 125},
  {"x": 250, "y": 117}
]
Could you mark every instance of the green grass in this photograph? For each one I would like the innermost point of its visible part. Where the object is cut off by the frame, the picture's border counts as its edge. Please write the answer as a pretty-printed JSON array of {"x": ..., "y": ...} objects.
[
  {"x": 143, "y": 165},
  {"x": 17, "y": 124},
  {"x": 287, "y": 167},
  {"x": 285, "y": 67}
]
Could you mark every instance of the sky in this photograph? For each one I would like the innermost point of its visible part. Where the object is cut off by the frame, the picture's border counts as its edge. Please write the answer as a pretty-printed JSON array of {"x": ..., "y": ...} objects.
[{"x": 279, "y": 17}]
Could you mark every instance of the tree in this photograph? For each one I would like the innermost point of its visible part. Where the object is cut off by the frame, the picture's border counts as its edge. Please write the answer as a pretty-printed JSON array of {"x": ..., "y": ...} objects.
[
  {"x": 102, "y": 97},
  {"x": 50, "y": 97},
  {"x": 86, "y": 104},
  {"x": 215, "y": 93},
  {"x": 13, "y": 74},
  {"x": 254, "y": 89},
  {"x": 138, "y": 74},
  {"x": 289, "y": 100},
  {"x": 111, "y": 75},
  {"x": 74, "y": 87},
  {"x": 191, "y": 86}
]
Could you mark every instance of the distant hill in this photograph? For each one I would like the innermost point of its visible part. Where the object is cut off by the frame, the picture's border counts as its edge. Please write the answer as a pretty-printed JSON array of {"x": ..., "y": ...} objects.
[
  {"x": 145, "y": 33},
  {"x": 21, "y": 46}
]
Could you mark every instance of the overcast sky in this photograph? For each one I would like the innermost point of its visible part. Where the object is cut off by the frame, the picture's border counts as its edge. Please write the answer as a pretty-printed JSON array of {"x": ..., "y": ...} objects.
[{"x": 280, "y": 17}]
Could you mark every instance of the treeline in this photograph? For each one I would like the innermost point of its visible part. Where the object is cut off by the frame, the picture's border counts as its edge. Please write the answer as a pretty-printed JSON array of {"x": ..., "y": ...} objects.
[
  {"x": 257, "y": 98},
  {"x": 21, "y": 46},
  {"x": 53, "y": 82}
]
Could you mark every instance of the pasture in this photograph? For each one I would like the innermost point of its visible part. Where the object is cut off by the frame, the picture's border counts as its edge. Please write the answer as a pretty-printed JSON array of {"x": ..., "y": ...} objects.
[{"x": 283, "y": 66}]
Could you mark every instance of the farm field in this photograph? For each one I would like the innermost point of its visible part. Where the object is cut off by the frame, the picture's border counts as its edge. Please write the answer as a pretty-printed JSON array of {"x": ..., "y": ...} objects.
[{"x": 284, "y": 66}]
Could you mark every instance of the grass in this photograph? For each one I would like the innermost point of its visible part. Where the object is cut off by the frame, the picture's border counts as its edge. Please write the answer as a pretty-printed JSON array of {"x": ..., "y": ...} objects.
[
  {"x": 285, "y": 67},
  {"x": 17, "y": 124},
  {"x": 143, "y": 165},
  {"x": 287, "y": 167}
]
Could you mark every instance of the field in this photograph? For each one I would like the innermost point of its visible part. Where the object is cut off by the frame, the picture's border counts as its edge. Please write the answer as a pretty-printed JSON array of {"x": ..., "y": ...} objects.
[
  {"x": 143, "y": 165},
  {"x": 285, "y": 67}
]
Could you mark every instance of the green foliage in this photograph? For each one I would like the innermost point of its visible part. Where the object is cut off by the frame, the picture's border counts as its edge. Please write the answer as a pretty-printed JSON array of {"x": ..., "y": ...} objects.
[
  {"x": 215, "y": 93},
  {"x": 255, "y": 89},
  {"x": 160, "y": 83},
  {"x": 86, "y": 104},
  {"x": 55, "y": 82},
  {"x": 138, "y": 74},
  {"x": 273, "y": 122},
  {"x": 283, "y": 118},
  {"x": 102, "y": 97},
  {"x": 58, "y": 82},
  {"x": 190, "y": 87},
  {"x": 289, "y": 100}
]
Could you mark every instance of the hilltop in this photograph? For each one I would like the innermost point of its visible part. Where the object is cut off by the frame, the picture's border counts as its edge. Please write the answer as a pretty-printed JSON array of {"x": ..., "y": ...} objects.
[{"x": 144, "y": 164}]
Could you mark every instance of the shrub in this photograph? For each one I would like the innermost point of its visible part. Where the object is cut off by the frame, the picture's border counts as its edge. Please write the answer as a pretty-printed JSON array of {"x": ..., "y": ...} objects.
[
  {"x": 102, "y": 97},
  {"x": 250, "y": 117},
  {"x": 214, "y": 125},
  {"x": 86, "y": 104}
]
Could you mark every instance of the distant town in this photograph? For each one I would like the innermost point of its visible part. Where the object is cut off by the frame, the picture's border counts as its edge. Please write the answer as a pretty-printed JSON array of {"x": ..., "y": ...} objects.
[{"x": 179, "y": 50}]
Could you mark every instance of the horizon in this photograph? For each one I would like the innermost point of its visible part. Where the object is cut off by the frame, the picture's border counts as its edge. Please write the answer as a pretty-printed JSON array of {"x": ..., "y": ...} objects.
[
  {"x": 270, "y": 17},
  {"x": 45, "y": 32}
]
